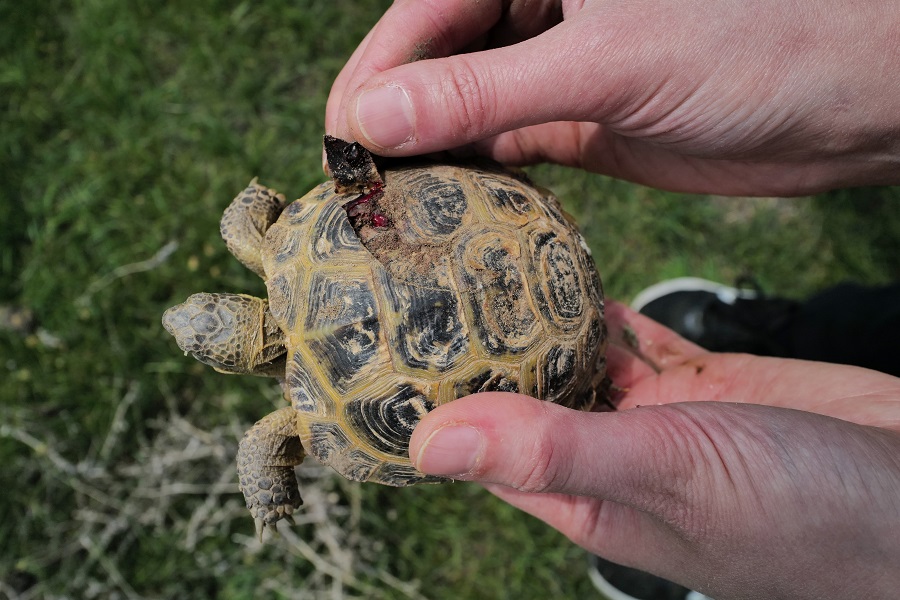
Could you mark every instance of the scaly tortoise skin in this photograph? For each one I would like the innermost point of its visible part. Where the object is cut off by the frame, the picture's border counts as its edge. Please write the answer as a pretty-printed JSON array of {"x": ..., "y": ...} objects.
[{"x": 478, "y": 282}]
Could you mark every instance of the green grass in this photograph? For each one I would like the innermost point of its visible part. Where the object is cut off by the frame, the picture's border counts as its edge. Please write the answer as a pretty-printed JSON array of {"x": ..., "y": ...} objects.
[{"x": 127, "y": 128}]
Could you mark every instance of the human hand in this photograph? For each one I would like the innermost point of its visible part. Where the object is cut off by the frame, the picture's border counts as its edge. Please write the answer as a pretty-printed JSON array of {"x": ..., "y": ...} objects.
[
  {"x": 756, "y": 98},
  {"x": 738, "y": 476}
]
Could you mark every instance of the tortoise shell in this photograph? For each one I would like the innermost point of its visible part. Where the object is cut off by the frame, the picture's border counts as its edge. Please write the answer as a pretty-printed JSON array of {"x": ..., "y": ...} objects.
[{"x": 461, "y": 280}]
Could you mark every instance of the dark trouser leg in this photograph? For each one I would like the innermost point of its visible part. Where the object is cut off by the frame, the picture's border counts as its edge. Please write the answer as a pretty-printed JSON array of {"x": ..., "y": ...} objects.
[{"x": 849, "y": 324}]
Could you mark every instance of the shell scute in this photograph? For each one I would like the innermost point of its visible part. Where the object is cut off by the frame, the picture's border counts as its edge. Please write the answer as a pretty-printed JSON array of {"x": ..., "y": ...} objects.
[
  {"x": 359, "y": 465},
  {"x": 324, "y": 440},
  {"x": 334, "y": 238},
  {"x": 387, "y": 422},
  {"x": 306, "y": 392},
  {"x": 487, "y": 379},
  {"x": 287, "y": 297},
  {"x": 502, "y": 315},
  {"x": 556, "y": 370},
  {"x": 508, "y": 200},
  {"x": 298, "y": 212},
  {"x": 557, "y": 281},
  {"x": 343, "y": 329},
  {"x": 399, "y": 475},
  {"x": 440, "y": 203},
  {"x": 427, "y": 325}
]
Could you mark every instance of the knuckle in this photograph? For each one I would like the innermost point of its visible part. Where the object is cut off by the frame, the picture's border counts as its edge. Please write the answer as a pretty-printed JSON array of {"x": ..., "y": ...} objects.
[
  {"x": 699, "y": 453},
  {"x": 544, "y": 467},
  {"x": 466, "y": 94}
]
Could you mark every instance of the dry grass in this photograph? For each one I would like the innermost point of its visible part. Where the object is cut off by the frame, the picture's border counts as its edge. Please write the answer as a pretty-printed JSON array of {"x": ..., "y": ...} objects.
[{"x": 116, "y": 505}]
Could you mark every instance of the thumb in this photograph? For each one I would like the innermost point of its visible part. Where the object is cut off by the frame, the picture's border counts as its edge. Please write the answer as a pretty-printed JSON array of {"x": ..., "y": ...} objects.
[
  {"x": 706, "y": 493},
  {"x": 535, "y": 446},
  {"x": 444, "y": 103}
]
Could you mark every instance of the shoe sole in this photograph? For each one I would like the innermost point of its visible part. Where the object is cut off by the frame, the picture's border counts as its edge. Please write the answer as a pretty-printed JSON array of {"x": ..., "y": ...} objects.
[
  {"x": 723, "y": 292},
  {"x": 611, "y": 592}
]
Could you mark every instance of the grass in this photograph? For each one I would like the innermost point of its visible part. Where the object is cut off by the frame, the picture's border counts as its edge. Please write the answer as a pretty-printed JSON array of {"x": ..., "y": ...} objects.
[{"x": 128, "y": 126}]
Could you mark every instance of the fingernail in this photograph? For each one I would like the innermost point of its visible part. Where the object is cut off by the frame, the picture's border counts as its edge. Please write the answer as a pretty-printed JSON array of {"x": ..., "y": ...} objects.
[
  {"x": 451, "y": 450},
  {"x": 385, "y": 116}
]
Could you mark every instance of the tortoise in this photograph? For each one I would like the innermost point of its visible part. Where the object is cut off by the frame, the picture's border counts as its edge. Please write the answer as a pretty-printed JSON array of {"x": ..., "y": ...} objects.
[{"x": 390, "y": 293}]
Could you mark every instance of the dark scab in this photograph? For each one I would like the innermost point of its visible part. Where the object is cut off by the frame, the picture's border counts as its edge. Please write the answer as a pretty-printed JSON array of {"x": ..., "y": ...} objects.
[{"x": 352, "y": 167}]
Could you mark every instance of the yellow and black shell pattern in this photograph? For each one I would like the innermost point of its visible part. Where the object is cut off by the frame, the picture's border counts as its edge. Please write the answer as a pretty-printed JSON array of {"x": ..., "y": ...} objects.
[{"x": 481, "y": 283}]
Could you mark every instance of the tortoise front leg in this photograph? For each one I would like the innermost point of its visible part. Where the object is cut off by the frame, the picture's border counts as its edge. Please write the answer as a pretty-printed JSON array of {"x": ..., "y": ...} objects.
[
  {"x": 246, "y": 220},
  {"x": 266, "y": 458}
]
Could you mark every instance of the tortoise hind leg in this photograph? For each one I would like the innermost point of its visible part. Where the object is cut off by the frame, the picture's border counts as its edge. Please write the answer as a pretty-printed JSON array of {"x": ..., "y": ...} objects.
[
  {"x": 266, "y": 458},
  {"x": 246, "y": 220}
]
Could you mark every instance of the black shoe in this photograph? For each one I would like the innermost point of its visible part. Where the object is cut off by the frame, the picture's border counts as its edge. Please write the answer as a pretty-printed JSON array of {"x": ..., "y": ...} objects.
[
  {"x": 720, "y": 318},
  {"x": 616, "y": 582}
]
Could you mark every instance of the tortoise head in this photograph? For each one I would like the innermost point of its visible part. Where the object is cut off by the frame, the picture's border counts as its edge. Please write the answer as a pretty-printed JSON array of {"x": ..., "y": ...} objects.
[{"x": 232, "y": 333}]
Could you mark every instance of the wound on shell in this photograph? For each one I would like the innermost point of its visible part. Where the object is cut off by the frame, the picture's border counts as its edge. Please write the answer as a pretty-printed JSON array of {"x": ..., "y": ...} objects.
[{"x": 353, "y": 171}]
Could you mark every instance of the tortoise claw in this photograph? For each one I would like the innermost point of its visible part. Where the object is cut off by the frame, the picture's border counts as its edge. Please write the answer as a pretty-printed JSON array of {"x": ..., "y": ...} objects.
[
  {"x": 262, "y": 525},
  {"x": 267, "y": 519}
]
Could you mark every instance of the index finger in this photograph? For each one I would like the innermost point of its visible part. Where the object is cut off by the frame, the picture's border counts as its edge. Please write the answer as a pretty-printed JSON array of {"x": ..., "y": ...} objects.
[{"x": 410, "y": 30}]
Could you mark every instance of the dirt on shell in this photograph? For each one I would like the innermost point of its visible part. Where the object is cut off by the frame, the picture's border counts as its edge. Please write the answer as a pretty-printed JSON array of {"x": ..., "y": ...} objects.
[{"x": 381, "y": 223}]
